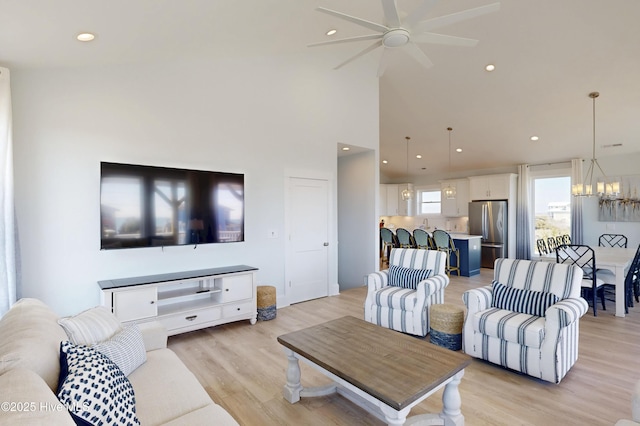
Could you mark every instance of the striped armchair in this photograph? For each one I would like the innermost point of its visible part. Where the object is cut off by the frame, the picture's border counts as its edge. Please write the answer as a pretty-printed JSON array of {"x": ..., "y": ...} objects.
[
  {"x": 399, "y": 306},
  {"x": 502, "y": 327}
]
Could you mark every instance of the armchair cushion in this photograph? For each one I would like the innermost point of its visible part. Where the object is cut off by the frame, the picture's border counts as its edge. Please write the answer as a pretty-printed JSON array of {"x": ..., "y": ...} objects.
[
  {"x": 396, "y": 298},
  {"x": 523, "y": 329},
  {"x": 407, "y": 277},
  {"x": 520, "y": 300}
]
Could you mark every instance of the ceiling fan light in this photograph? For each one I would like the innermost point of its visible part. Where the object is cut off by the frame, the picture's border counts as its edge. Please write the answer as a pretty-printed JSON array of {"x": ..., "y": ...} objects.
[{"x": 396, "y": 38}]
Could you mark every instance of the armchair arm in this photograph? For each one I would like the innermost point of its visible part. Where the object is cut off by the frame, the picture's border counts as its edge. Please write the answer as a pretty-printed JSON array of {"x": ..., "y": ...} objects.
[
  {"x": 432, "y": 286},
  {"x": 478, "y": 299},
  {"x": 154, "y": 335},
  {"x": 377, "y": 280},
  {"x": 565, "y": 312}
]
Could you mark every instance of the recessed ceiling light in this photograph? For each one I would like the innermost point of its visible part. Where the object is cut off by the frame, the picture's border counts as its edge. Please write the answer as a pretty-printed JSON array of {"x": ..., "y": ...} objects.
[
  {"x": 345, "y": 148},
  {"x": 331, "y": 32},
  {"x": 418, "y": 156},
  {"x": 85, "y": 37},
  {"x": 458, "y": 149},
  {"x": 534, "y": 138},
  {"x": 490, "y": 67},
  {"x": 384, "y": 161}
]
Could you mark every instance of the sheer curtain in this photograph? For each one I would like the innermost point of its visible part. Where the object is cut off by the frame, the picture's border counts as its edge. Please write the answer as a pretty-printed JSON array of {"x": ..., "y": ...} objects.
[
  {"x": 8, "y": 234},
  {"x": 576, "y": 203},
  {"x": 523, "y": 219}
]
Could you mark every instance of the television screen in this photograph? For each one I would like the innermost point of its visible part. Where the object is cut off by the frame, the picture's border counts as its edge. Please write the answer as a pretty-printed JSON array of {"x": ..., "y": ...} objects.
[{"x": 145, "y": 206}]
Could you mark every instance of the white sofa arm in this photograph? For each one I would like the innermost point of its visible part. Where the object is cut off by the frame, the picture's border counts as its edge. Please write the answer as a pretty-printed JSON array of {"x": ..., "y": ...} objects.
[
  {"x": 477, "y": 299},
  {"x": 565, "y": 312},
  {"x": 154, "y": 335},
  {"x": 377, "y": 280}
]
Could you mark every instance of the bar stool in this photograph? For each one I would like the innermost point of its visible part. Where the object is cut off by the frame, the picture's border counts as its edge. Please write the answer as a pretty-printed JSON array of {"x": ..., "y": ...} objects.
[{"x": 445, "y": 243}]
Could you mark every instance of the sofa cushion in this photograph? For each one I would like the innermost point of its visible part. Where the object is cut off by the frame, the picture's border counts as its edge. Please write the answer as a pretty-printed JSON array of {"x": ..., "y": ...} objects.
[
  {"x": 523, "y": 329},
  {"x": 396, "y": 298},
  {"x": 30, "y": 401},
  {"x": 203, "y": 417},
  {"x": 164, "y": 370},
  {"x": 93, "y": 388},
  {"x": 523, "y": 301},
  {"x": 91, "y": 326},
  {"x": 125, "y": 348},
  {"x": 407, "y": 277},
  {"x": 30, "y": 337}
]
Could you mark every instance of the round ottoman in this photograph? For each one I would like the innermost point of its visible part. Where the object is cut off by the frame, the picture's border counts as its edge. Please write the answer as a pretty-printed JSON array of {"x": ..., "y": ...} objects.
[
  {"x": 446, "y": 326},
  {"x": 266, "y": 302}
]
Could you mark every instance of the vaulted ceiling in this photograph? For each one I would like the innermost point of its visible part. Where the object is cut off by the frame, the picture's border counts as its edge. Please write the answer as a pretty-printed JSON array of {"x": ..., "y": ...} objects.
[{"x": 549, "y": 55}]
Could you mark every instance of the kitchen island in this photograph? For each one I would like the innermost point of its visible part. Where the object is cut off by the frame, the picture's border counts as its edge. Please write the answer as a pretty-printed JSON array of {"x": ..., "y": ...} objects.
[{"x": 469, "y": 248}]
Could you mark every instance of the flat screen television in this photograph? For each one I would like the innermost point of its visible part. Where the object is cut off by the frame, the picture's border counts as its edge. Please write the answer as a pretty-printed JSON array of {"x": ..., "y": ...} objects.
[{"x": 148, "y": 206}]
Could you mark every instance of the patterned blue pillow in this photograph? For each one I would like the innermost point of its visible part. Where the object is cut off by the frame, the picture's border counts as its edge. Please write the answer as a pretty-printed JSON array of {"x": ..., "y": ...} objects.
[
  {"x": 407, "y": 277},
  {"x": 522, "y": 301},
  {"x": 93, "y": 388}
]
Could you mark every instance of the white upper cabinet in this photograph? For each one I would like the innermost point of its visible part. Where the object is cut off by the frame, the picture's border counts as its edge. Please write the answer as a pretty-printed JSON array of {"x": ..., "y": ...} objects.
[
  {"x": 492, "y": 187},
  {"x": 391, "y": 202},
  {"x": 459, "y": 206}
]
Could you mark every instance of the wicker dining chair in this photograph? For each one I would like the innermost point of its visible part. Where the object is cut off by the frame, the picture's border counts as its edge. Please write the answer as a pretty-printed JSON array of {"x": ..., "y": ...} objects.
[{"x": 405, "y": 239}]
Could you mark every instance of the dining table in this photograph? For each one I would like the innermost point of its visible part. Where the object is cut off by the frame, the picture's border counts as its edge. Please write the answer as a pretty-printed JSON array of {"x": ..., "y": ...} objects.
[{"x": 616, "y": 260}]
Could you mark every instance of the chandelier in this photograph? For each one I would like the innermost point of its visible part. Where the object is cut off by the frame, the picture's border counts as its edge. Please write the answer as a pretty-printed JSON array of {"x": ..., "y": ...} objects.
[
  {"x": 407, "y": 193},
  {"x": 603, "y": 188},
  {"x": 449, "y": 191}
]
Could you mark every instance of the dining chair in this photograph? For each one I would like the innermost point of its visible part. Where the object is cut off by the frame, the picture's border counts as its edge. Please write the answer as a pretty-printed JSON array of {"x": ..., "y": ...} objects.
[
  {"x": 444, "y": 242},
  {"x": 388, "y": 241},
  {"x": 542, "y": 247},
  {"x": 593, "y": 280},
  {"x": 405, "y": 239},
  {"x": 612, "y": 240},
  {"x": 560, "y": 240},
  {"x": 566, "y": 239},
  {"x": 422, "y": 239},
  {"x": 551, "y": 244}
]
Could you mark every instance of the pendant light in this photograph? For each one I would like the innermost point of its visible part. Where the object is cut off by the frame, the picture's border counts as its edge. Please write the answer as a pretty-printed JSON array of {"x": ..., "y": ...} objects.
[
  {"x": 449, "y": 191},
  {"x": 407, "y": 193},
  {"x": 585, "y": 188}
]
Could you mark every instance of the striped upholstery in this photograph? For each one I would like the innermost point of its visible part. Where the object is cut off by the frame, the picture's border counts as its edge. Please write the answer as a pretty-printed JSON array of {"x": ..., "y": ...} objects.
[
  {"x": 407, "y": 277},
  {"x": 519, "y": 300},
  {"x": 546, "y": 346},
  {"x": 405, "y": 309}
]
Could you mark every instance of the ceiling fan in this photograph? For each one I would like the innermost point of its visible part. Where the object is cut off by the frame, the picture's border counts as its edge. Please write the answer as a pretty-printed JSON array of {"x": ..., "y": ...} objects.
[{"x": 408, "y": 32}]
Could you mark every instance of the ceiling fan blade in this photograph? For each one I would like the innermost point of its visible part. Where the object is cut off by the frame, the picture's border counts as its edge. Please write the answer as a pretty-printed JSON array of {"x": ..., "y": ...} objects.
[
  {"x": 385, "y": 60},
  {"x": 391, "y": 13},
  {"x": 362, "y": 52},
  {"x": 358, "y": 21},
  {"x": 441, "y": 21},
  {"x": 347, "y": 40},
  {"x": 434, "y": 38},
  {"x": 419, "y": 13},
  {"x": 418, "y": 55}
]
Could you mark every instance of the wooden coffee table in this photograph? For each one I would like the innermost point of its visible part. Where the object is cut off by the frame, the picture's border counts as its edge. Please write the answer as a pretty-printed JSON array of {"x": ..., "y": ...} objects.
[{"x": 383, "y": 371}]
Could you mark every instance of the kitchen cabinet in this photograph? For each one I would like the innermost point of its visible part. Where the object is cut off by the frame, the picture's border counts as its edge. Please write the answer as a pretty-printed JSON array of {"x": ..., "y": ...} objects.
[
  {"x": 459, "y": 206},
  {"x": 492, "y": 187},
  {"x": 391, "y": 202}
]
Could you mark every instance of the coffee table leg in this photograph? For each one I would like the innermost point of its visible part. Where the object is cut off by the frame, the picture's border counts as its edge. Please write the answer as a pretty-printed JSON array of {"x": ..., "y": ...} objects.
[
  {"x": 293, "y": 387},
  {"x": 393, "y": 417},
  {"x": 451, "y": 402}
]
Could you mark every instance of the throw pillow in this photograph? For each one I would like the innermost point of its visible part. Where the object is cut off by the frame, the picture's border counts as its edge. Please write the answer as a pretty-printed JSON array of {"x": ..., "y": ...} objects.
[
  {"x": 93, "y": 388},
  {"x": 407, "y": 277},
  {"x": 522, "y": 301},
  {"x": 91, "y": 326},
  {"x": 125, "y": 348}
]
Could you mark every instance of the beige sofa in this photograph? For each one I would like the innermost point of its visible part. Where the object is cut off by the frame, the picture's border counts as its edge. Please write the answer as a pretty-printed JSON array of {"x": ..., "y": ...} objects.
[{"x": 166, "y": 392}]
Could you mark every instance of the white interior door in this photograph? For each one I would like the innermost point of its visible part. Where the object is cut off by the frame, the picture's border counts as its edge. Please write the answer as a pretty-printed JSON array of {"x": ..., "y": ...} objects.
[{"x": 308, "y": 266}]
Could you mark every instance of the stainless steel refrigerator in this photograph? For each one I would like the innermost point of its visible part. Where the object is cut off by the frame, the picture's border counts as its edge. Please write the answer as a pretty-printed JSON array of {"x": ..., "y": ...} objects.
[{"x": 489, "y": 220}]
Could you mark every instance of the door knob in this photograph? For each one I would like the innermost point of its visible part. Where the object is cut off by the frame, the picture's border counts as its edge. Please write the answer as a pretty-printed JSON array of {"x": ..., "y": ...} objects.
[{"x": 326, "y": 244}]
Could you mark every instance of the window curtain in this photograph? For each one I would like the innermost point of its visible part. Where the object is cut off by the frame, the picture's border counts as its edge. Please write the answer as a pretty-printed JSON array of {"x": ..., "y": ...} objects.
[
  {"x": 523, "y": 219},
  {"x": 576, "y": 203},
  {"x": 8, "y": 233}
]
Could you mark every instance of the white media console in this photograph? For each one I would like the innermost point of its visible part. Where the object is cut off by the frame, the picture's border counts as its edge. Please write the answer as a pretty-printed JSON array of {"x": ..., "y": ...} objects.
[{"x": 185, "y": 301}]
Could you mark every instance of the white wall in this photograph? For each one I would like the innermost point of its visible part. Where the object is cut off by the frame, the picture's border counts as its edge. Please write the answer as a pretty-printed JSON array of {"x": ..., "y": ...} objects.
[
  {"x": 358, "y": 234},
  {"x": 257, "y": 116}
]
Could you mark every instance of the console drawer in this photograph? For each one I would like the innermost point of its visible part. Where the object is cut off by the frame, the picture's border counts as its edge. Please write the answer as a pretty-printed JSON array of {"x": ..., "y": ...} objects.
[
  {"x": 237, "y": 309},
  {"x": 191, "y": 318}
]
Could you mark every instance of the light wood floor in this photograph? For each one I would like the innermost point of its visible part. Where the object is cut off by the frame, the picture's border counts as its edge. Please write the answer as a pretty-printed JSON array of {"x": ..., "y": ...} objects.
[{"x": 242, "y": 368}]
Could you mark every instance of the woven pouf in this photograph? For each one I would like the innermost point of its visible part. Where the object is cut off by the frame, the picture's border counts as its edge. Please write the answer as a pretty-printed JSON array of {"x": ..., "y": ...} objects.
[
  {"x": 446, "y": 326},
  {"x": 266, "y": 302}
]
